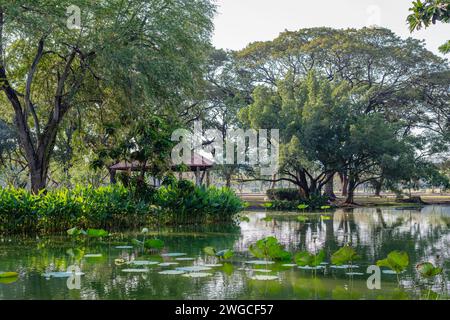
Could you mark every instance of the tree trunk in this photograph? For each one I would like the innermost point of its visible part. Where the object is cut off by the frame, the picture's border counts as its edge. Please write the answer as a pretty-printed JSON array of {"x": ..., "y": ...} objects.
[
  {"x": 329, "y": 187},
  {"x": 344, "y": 182},
  {"x": 351, "y": 191},
  {"x": 378, "y": 186}
]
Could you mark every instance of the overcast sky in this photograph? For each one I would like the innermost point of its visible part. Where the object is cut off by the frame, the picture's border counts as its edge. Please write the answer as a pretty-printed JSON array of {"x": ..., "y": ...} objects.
[{"x": 240, "y": 22}]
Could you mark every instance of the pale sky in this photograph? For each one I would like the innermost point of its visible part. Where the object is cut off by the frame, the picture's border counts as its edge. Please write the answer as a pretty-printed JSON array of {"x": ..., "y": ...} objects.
[{"x": 240, "y": 22}]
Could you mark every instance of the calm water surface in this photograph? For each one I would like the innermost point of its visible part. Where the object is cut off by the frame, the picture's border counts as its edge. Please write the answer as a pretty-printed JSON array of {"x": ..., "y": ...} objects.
[{"x": 374, "y": 232}]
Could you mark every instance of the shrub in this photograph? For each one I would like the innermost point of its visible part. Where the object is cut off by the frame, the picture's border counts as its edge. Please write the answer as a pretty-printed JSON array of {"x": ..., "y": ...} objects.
[
  {"x": 315, "y": 202},
  {"x": 114, "y": 207},
  {"x": 183, "y": 202},
  {"x": 284, "y": 194}
]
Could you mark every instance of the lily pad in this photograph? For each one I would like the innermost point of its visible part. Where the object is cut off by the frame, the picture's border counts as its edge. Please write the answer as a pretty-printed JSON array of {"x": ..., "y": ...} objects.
[
  {"x": 259, "y": 262},
  {"x": 124, "y": 247},
  {"x": 344, "y": 266},
  {"x": 93, "y": 255},
  {"x": 4, "y": 275},
  {"x": 185, "y": 259},
  {"x": 390, "y": 272},
  {"x": 168, "y": 264},
  {"x": 174, "y": 254},
  {"x": 194, "y": 269},
  {"x": 262, "y": 270},
  {"x": 143, "y": 263},
  {"x": 61, "y": 274},
  {"x": 214, "y": 265},
  {"x": 135, "y": 270},
  {"x": 264, "y": 278},
  {"x": 354, "y": 273},
  {"x": 289, "y": 265},
  {"x": 311, "y": 268},
  {"x": 171, "y": 272},
  {"x": 197, "y": 275}
]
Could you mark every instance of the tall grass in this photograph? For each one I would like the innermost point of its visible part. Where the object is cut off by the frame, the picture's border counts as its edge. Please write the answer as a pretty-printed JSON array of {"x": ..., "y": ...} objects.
[{"x": 113, "y": 208}]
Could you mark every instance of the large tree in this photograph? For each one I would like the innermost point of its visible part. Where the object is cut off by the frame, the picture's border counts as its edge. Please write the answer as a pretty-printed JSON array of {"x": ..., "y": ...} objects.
[
  {"x": 149, "y": 49},
  {"x": 397, "y": 79}
]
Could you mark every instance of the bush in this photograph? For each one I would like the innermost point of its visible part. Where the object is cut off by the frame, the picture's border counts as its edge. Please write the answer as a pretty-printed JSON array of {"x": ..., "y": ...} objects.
[
  {"x": 114, "y": 207},
  {"x": 284, "y": 194},
  {"x": 183, "y": 202},
  {"x": 315, "y": 202}
]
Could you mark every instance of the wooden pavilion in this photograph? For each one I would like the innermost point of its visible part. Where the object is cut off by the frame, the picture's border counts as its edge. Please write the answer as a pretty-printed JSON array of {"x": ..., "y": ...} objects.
[{"x": 199, "y": 166}]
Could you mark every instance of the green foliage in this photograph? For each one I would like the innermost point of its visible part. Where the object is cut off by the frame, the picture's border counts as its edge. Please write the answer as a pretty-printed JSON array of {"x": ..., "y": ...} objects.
[
  {"x": 267, "y": 205},
  {"x": 112, "y": 207},
  {"x": 345, "y": 255},
  {"x": 302, "y": 218},
  {"x": 396, "y": 261},
  {"x": 269, "y": 248},
  {"x": 314, "y": 202},
  {"x": 4, "y": 275},
  {"x": 183, "y": 202},
  {"x": 306, "y": 258},
  {"x": 284, "y": 194},
  {"x": 223, "y": 254},
  {"x": 428, "y": 270},
  {"x": 97, "y": 233},
  {"x": 154, "y": 244}
]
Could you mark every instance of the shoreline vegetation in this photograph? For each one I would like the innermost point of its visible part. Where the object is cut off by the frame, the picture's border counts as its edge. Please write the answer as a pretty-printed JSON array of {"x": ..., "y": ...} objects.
[
  {"x": 259, "y": 201},
  {"x": 115, "y": 207}
]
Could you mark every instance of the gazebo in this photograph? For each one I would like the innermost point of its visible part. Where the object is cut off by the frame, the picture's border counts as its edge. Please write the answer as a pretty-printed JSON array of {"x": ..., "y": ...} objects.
[{"x": 199, "y": 165}]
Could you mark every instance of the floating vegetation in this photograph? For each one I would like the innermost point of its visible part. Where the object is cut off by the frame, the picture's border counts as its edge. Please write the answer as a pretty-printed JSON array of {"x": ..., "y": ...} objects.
[
  {"x": 345, "y": 266},
  {"x": 197, "y": 275},
  {"x": 264, "y": 278},
  {"x": 289, "y": 265},
  {"x": 119, "y": 262},
  {"x": 168, "y": 264},
  {"x": 302, "y": 218},
  {"x": 93, "y": 255},
  {"x": 135, "y": 270},
  {"x": 184, "y": 259},
  {"x": 212, "y": 265},
  {"x": 354, "y": 273},
  {"x": 172, "y": 272},
  {"x": 262, "y": 270},
  {"x": 223, "y": 254},
  {"x": 269, "y": 247},
  {"x": 259, "y": 262},
  {"x": 172, "y": 255},
  {"x": 143, "y": 263},
  {"x": 388, "y": 271},
  {"x": 124, "y": 247},
  {"x": 311, "y": 268},
  {"x": 62, "y": 274},
  {"x": 194, "y": 269},
  {"x": 4, "y": 275},
  {"x": 155, "y": 244}
]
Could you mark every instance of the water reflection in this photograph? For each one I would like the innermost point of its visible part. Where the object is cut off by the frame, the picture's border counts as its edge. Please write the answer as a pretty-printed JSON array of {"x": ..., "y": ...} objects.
[{"x": 424, "y": 234}]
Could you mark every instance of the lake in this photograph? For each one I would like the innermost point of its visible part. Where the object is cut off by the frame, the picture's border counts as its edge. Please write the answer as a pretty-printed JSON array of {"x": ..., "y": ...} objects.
[{"x": 374, "y": 232}]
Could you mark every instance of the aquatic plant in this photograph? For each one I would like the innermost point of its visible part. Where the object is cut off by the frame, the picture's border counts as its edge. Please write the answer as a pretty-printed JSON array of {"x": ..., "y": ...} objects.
[
  {"x": 303, "y": 218},
  {"x": 305, "y": 258},
  {"x": 269, "y": 248},
  {"x": 428, "y": 270},
  {"x": 267, "y": 205},
  {"x": 397, "y": 261},
  {"x": 345, "y": 255},
  {"x": 154, "y": 244},
  {"x": 222, "y": 254}
]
